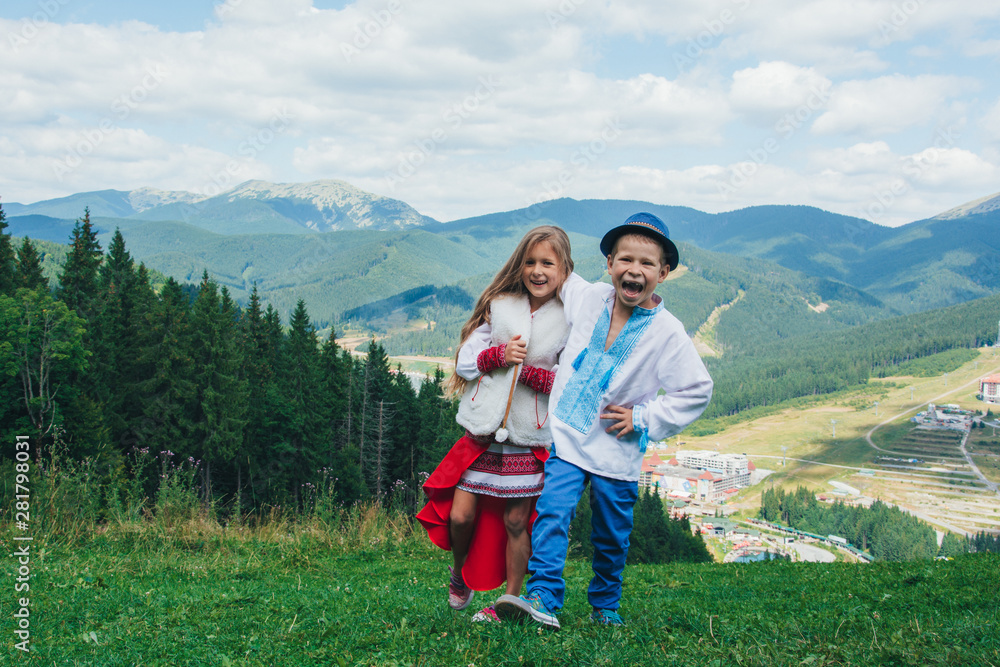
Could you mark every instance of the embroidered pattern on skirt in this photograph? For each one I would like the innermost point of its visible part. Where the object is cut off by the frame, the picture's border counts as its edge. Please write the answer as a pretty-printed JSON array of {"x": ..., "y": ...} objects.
[{"x": 504, "y": 471}]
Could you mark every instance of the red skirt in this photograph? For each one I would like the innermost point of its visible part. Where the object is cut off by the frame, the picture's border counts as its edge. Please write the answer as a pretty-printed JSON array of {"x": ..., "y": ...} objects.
[{"x": 486, "y": 565}]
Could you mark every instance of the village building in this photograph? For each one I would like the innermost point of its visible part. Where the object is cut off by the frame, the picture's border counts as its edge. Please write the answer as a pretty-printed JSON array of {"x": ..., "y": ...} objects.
[
  {"x": 989, "y": 389},
  {"x": 948, "y": 417},
  {"x": 697, "y": 475}
]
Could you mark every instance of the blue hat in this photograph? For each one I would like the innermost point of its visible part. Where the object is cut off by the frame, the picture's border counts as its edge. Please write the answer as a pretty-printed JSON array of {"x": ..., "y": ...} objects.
[{"x": 648, "y": 225}]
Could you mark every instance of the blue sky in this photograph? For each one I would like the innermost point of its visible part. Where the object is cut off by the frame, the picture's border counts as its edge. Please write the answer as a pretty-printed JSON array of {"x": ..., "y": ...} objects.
[{"x": 883, "y": 109}]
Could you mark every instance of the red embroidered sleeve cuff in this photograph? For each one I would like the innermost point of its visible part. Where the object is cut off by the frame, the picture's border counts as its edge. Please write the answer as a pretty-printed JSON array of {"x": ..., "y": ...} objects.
[
  {"x": 491, "y": 358},
  {"x": 538, "y": 379}
]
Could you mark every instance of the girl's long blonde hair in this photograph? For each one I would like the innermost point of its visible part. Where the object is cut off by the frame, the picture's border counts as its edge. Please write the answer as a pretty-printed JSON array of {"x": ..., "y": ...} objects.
[{"x": 508, "y": 281}]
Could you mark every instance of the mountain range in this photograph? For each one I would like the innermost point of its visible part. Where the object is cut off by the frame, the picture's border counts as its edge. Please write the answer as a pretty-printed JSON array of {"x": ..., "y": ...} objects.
[
  {"x": 249, "y": 208},
  {"x": 788, "y": 269}
]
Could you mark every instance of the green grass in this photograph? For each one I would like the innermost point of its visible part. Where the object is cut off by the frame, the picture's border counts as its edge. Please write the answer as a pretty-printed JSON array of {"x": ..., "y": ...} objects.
[{"x": 306, "y": 596}]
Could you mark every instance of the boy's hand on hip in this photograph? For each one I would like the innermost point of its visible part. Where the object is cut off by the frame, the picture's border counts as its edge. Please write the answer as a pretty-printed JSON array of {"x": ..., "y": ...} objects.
[
  {"x": 622, "y": 418},
  {"x": 516, "y": 351}
]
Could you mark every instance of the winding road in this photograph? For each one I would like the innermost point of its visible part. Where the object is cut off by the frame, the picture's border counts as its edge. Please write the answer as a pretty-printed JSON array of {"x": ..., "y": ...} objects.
[{"x": 992, "y": 486}]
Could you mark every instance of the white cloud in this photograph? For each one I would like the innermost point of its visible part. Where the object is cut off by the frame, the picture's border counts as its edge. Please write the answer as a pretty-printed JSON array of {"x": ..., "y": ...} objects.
[
  {"x": 888, "y": 104},
  {"x": 989, "y": 48},
  {"x": 285, "y": 91},
  {"x": 863, "y": 158},
  {"x": 990, "y": 122},
  {"x": 773, "y": 87}
]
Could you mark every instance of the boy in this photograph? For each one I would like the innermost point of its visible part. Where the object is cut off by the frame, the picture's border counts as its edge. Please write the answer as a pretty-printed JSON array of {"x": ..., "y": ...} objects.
[{"x": 623, "y": 349}]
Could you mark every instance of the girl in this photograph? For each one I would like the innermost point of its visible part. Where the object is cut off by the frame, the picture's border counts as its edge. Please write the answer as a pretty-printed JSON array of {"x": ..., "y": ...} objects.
[{"x": 482, "y": 495}]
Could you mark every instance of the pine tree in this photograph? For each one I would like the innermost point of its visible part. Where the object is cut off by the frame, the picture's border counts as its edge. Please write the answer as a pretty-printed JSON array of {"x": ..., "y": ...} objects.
[
  {"x": 650, "y": 539},
  {"x": 438, "y": 430},
  {"x": 167, "y": 392},
  {"x": 115, "y": 341},
  {"x": 380, "y": 449},
  {"x": 261, "y": 348},
  {"x": 341, "y": 459},
  {"x": 8, "y": 281},
  {"x": 375, "y": 384},
  {"x": 300, "y": 375},
  {"x": 405, "y": 447},
  {"x": 268, "y": 456},
  {"x": 694, "y": 550},
  {"x": 78, "y": 281},
  {"x": 28, "y": 271},
  {"x": 219, "y": 410}
]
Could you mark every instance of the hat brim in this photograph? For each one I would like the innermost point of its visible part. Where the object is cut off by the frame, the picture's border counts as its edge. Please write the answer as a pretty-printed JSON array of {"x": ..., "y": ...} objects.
[{"x": 608, "y": 242}]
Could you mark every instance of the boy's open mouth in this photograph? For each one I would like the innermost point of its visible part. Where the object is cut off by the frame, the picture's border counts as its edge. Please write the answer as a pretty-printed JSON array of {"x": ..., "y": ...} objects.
[{"x": 631, "y": 289}]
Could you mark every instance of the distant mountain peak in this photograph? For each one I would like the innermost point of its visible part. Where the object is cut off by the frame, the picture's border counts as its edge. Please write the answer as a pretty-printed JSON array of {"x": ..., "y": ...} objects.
[
  {"x": 330, "y": 205},
  {"x": 975, "y": 207},
  {"x": 143, "y": 199},
  {"x": 254, "y": 206}
]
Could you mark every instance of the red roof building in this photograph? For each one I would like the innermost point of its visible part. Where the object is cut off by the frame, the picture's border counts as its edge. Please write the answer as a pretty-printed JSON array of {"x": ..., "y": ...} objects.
[{"x": 989, "y": 389}]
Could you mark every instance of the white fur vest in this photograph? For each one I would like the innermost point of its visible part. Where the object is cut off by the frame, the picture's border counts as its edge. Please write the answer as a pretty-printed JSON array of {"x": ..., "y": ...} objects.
[{"x": 482, "y": 408}]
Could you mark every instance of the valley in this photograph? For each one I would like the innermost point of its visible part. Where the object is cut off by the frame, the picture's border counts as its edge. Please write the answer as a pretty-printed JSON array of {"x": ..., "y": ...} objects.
[
  {"x": 824, "y": 333},
  {"x": 871, "y": 453}
]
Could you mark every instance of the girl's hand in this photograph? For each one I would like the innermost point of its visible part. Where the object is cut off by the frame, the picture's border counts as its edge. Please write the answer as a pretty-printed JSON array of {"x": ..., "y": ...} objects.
[
  {"x": 622, "y": 418},
  {"x": 516, "y": 351}
]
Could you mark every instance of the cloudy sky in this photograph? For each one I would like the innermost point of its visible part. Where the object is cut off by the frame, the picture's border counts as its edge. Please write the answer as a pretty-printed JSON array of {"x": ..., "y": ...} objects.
[{"x": 883, "y": 109}]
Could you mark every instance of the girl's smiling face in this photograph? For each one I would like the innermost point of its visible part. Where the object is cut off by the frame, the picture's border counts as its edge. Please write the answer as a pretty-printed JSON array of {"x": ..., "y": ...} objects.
[{"x": 542, "y": 274}]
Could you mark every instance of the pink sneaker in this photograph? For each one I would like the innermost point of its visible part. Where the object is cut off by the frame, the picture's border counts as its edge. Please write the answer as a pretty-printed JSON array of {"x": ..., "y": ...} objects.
[
  {"x": 459, "y": 595},
  {"x": 488, "y": 615}
]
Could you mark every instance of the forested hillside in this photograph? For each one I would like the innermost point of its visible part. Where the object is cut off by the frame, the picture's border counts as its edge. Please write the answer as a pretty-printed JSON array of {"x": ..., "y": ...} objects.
[
  {"x": 332, "y": 272},
  {"x": 780, "y": 333},
  {"x": 887, "y": 533},
  {"x": 764, "y": 370},
  {"x": 139, "y": 383}
]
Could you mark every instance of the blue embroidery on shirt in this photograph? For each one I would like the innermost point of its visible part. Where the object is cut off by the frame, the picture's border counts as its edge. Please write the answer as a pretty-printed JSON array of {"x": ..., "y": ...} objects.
[{"x": 595, "y": 369}]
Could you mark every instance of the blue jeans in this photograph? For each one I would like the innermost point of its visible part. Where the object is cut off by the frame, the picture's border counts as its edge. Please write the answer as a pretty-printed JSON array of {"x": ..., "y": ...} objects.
[{"x": 611, "y": 502}]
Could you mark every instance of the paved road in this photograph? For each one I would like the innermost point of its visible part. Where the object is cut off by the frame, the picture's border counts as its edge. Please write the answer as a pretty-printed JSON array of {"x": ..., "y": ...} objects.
[
  {"x": 972, "y": 464},
  {"x": 992, "y": 486}
]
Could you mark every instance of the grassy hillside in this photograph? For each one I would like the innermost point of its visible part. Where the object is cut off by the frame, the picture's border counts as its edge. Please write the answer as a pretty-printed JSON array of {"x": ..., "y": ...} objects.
[
  {"x": 356, "y": 593},
  {"x": 823, "y": 439}
]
